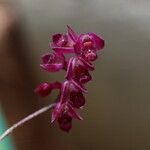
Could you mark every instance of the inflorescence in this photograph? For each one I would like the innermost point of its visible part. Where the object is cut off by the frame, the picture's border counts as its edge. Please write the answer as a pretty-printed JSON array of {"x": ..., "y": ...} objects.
[{"x": 72, "y": 89}]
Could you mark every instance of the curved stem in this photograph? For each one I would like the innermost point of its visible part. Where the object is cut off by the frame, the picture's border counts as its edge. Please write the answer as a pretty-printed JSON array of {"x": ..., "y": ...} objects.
[{"x": 29, "y": 117}]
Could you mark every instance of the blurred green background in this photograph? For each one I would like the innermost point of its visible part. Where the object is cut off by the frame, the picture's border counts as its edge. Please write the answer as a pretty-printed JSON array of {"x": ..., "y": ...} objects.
[{"x": 117, "y": 112}]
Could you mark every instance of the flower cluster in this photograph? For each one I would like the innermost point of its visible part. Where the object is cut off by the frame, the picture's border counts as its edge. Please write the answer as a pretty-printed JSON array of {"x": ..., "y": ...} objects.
[{"x": 71, "y": 91}]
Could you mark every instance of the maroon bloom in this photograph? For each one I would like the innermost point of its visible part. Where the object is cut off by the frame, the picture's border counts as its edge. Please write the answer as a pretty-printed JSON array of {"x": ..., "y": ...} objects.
[
  {"x": 71, "y": 91},
  {"x": 77, "y": 99},
  {"x": 78, "y": 70},
  {"x": 87, "y": 45},
  {"x": 53, "y": 62},
  {"x": 63, "y": 113},
  {"x": 65, "y": 122},
  {"x": 61, "y": 108},
  {"x": 69, "y": 87},
  {"x": 63, "y": 43}
]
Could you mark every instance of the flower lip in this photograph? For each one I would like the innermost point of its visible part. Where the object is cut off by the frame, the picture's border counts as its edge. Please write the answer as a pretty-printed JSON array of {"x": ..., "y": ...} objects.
[
  {"x": 90, "y": 55},
  {"x": 77, "y": 99},
  {"x": 65, "y": 122}
]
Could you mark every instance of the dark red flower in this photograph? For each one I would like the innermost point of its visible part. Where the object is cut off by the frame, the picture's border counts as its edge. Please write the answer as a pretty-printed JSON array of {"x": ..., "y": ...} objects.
[
  {"x": 64, "y": 43},
  {"x": 53, "y": 62},
  {"x": 72, "y": 94},
  {"x": 87, "y": 45},
  {"x": 78, "y": 70},
  {"x": 63, "y": 113},
  {"x": 77, "y": 99},
  {"x": 65, "y": 122},
  {"x": 61, "y": 108}
]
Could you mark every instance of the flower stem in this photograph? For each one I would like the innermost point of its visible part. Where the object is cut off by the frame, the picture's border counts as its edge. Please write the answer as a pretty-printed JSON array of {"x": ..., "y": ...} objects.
[{"x": 29, "y": 117}]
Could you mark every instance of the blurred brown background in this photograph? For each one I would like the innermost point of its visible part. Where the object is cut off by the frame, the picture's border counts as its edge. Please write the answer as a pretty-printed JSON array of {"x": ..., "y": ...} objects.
[{"x": 117, "y": 113}]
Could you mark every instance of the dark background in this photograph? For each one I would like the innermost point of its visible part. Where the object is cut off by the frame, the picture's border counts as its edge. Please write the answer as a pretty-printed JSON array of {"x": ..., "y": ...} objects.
[{"x": 117, "y": 112}]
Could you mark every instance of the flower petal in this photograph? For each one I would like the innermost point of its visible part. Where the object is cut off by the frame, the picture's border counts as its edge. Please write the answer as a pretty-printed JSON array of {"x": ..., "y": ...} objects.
[
  {"x": 59, "y": 39},
  {"x": 85, "y": 78},
  {"x": 74, "y": 114},
  {"x": 45, "y": 58},
  {"x": 77, "y": 99},
  {"x": 69, "y": 68},
  {"x": 66, "y": 50},
  {"x": 99, "y": 42},
  {"x": 78, "y": 45},
  {"x": 87, "y": 64},
  {"x": 64, "y": 92},
  {"x": 53, "y": 62},
  {"x": 79, "y": 86},
  {"x": 52, "y": 67},
  {"x": 72, "y": 34},
  {"x": 65, "y": 122},
  {"x": 57, "y": 110},
  {"x": 78, "y": 73}
]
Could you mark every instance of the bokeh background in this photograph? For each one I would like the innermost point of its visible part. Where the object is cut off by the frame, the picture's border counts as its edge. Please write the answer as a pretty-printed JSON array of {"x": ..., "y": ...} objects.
[{"x": 117, "y": 112}]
